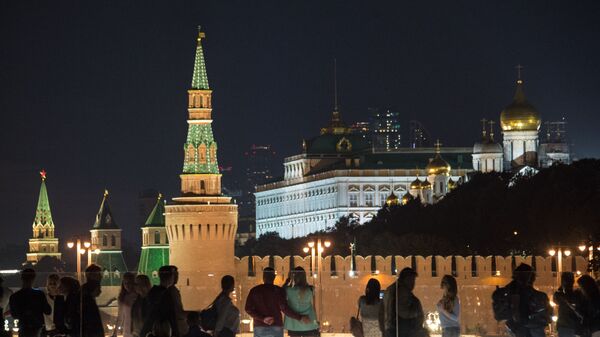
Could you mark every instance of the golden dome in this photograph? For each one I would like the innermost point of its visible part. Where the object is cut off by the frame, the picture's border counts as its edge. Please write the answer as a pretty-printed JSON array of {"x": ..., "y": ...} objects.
[
  {"x": 438, "y": 166},
  {"x": 520, "y": 115},
  {"x": 406, "y": 198},
  {"x": 451, "y": 184},
  {"x": 426, "y": 185},
  {"x": 391, "y": 200},
  {"x": 416, "y": 184}
]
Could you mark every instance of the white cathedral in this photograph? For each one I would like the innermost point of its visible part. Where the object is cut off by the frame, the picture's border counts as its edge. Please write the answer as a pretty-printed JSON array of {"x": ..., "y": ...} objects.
[{"x": 339, "y": 174}]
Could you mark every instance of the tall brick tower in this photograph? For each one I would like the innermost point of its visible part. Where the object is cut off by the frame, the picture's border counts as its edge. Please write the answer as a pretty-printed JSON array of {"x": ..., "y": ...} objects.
[
  {"x": 43, "y": 243},
  {"x": 202, "y": 222}
]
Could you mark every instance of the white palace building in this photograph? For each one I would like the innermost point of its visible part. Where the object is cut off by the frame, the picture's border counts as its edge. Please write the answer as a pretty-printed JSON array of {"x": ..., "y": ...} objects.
[{"x": 339, "y": 174}]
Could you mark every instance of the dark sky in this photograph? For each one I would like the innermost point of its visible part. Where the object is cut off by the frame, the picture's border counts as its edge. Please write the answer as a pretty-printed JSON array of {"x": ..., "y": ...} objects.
[{"x": 95, "y": 91}]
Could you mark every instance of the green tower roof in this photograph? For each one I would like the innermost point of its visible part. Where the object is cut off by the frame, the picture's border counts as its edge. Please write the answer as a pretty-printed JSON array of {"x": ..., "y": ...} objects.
[
  {"x": 157, "y": 216},
  {"x": 200, "y": 80},
  {"x": 43, "y": 215},
  {"x": 104, "y": 218}
]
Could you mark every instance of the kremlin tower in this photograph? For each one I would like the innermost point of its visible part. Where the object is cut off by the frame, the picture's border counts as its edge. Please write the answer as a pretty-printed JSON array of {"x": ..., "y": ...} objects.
[
  {"x": 155, "y": 244},
  {"x": 106, "y": 245},
  {"x": 201, "y": 224},
  {"x": 43, "y": 243}
]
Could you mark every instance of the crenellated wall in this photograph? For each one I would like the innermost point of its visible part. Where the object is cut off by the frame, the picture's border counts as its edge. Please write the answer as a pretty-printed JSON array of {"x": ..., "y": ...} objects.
[{"x": 338, "y": 291}]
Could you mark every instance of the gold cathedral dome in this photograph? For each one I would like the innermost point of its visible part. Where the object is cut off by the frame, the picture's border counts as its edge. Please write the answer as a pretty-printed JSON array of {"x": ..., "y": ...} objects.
[
  {"x": 438, "y": 166},
  {"x": 391, "y": 200},
  {"x": 406, "y": 198},
  {"x": 416, "y": 184},
  {"x": 520, "y": 115}
]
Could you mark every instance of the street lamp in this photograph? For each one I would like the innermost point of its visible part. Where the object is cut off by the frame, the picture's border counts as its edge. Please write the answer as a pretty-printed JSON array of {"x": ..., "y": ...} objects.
[
  {"x": 317, "y": 249},
  {"x": 80, "y": 251},
  {"x": 559, "y": 252}
]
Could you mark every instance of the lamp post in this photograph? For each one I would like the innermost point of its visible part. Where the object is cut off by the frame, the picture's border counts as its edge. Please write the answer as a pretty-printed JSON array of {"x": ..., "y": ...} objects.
[
  {"x": 80, "y": 251},
  {"x": 559, "y": 252},
  {"x": 593, "y": 258},
  {"x": 317, "y": 249}
]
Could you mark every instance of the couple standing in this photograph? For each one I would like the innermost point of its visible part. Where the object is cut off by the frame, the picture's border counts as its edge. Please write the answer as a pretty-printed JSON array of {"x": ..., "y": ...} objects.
[{"x": 266, "y": 302}]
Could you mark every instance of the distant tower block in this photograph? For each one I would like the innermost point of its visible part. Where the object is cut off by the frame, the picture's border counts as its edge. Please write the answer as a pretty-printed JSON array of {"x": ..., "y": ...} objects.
[
  {"x": 202, "y": 223},
  {"x": 43, "y": 243}
]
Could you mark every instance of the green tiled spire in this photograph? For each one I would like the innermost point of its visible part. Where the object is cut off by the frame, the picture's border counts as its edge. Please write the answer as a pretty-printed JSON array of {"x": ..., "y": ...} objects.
[
  {"x": 104, "y": 218},
  {"x": 200, "y": 80},
  {"x": 43, "y": 215},
  {"x": 157, "y": 216},
  {"x": 151, "y": 259}
]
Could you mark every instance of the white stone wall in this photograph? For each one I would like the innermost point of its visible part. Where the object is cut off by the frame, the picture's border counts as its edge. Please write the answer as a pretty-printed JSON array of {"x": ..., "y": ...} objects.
[
  {"x": 517, "y": 144},
  {"x": 488, "y": 162}
]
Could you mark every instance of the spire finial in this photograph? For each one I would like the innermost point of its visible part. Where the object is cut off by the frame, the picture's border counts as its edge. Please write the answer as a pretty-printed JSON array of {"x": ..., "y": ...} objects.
[
  {"x": 43, "y": 174},
  {"x": 201, "y": 34},
  {"x": 335, "y": 104},
  {"x": 492, "y": 130},
  {"x": 483, "y": 122},
  {"x": 105, "y": 193},
  {"x": 160, "y": 195},
  {"x": 519, "y": 68},
  {"x": 437, "y": 145}
]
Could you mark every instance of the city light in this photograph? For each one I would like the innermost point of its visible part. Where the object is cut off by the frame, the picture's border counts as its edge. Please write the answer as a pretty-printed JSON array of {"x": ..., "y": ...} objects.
[
  {"x": 552, "y": 252},
  {"x": 70, "y": 244}
]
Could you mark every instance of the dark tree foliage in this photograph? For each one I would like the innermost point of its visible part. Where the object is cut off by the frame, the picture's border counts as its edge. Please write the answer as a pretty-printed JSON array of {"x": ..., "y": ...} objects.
[{"x": 559, "y": 205}]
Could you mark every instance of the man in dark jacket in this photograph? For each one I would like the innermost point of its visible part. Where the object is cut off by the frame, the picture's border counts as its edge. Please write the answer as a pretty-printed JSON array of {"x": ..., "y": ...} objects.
[
  {"x": 165, "y": 301},
  {"x": 265, "y": 303},
  {"x": 29, "y": 305},
  {"x": 570, "y": 315}
]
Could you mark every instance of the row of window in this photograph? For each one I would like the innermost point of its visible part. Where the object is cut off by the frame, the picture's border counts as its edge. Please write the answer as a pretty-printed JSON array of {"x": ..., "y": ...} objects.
[
  {"x": 297, "y": 195},
  {"x": 368, "y": 199},
  {"x": 296, "y": 207},
  {"x": 157, "y": 238}
]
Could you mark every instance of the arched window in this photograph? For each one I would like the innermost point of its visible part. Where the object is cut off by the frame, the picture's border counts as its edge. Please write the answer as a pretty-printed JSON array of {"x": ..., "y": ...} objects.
[
  {"x": 156, "y": 237},
  {"x": 202, "y": 187},
  {"x": 105, "y": 240},
  {"x": 113, "y": 241}
]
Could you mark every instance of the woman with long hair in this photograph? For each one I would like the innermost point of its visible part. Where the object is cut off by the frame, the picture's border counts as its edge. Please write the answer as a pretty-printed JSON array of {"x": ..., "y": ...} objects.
[
  {"x": 141, "y": 306},
  {"x": 300, "y": 298},
  {"x": 125, "y": 300},
  {"x": 449, "y": 307},
  {"x": 591, "y": 305},
  {"x": 370, "y": 309},
  {"x": 70, "y": 289}
]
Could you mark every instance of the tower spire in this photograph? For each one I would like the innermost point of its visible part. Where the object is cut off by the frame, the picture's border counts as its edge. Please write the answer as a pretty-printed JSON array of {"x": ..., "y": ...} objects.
[
  {"x": 483, "y": 122},
  {"x": 491, "y": 123},
  {"x": 43, "y": 215},
  {"x": 519, "y": 68},
  {"x": 200, "y": 79},
  {"x": 43, "y": 243}
]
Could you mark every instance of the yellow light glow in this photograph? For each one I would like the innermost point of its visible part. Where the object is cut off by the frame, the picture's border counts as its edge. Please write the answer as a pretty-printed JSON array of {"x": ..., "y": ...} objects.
[
  {"x": 311, "y": 244},
  {"x": 97, "y": 251},
  {"x": 82, "y": 251},
  {"x": 582, "y": 248},
  {"x": 305, "y": 249},
  {"x": 70, "y": 244},
  {"x": 552, "y": 252},
  {"x": 567, "y": 252},
  {"x": 87, "y": 244},
  {"x": 327, "y": 244}
]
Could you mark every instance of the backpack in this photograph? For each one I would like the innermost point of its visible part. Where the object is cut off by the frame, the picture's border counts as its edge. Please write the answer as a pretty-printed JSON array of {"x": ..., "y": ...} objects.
[
  {"x": 208, "y": 317},
  {"x": 540, "y": 311},
  {"x": 501, "y": 303}
]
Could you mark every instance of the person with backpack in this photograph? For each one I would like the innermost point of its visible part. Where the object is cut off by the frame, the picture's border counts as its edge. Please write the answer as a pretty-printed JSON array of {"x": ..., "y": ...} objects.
[
  {"x": 591, "y": 305},
  {"x": 570, "y": 319},
  {"x": 528, "y": 312},
  {"x": 29, "y": 305},
  {"x": 265, "y": 303},
  {"x": 449, "y": 307},
  {"x": 404, "y": 315},
  {"x": 228, "y": 315},
  {"x": 165, "y": 301}
]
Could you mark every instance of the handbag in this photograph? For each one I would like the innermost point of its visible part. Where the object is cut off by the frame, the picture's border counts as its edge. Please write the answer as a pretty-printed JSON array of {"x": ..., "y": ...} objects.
[{"x": 356, "y": 326}]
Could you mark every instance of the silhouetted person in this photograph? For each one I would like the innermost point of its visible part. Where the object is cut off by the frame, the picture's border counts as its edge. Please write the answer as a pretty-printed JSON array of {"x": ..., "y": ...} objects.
[
  {"x": 403, "y": 311},
  {"x": 165, "y": 301},
  {"x": 141, "y": 307},
  {"x": 70, "y": 289},
  {"x": 228, "y": 315},
  {"x": 371, "y": 311},
  {"x": 265, "y": 303},
  {"x": 449, "y": 307},
  {"x": 591, "y": 305},
  {"x": 91, "y": 321},
  {"x": 570, "y": 317},
  {"x": 5, "y": 293},
  {"x": 29, "y": 305},
  {"x": 127, "y": 296},
  {"x": 93, "y": 272}
]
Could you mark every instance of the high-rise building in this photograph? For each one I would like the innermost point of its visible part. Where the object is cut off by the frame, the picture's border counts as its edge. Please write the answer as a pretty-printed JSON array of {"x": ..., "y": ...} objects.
[
  {"x": 418, "y": 135},
  {"x": 106, "y": 245},
  {"x": 43, "y": 243},
  {"x": 385, "y": 129},
  {"x": 155, "y": 244},
  {"x": 259, "y": 170},
  {"x": 555, "y": 147},
  {"x": 201, "y": 224},
  {"x": 363, "y": 129}
]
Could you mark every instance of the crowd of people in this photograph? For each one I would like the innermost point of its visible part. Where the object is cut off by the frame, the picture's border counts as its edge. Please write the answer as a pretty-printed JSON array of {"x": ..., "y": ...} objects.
[{"x": 67, "y": 308}]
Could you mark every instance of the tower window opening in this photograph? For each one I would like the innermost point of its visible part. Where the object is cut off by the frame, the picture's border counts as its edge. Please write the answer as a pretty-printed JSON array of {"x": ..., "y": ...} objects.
[
  {"x": 156, "y": 237},
  {"x": 113, "y": 241},
  {"x": 105, "y": 240}
]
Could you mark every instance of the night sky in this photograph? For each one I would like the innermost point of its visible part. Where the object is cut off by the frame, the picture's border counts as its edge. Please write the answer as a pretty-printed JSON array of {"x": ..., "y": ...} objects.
[{"x": 95, "y": 91}]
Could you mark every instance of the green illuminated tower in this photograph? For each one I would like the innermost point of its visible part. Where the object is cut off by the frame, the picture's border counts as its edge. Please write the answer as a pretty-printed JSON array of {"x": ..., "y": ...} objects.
[
  {"x": 106, "y": 244},
  {"x": 155, "y": 244},
  {"x": 43, "y": 243}
]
